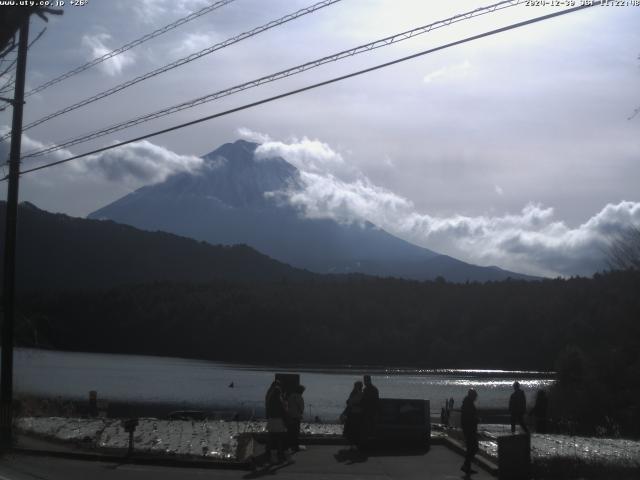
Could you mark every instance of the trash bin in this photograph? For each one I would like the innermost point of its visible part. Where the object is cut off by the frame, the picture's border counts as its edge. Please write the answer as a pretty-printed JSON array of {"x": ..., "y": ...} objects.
[
  {"x": 403, "y": 420},
  {"x": 514, "y": 457}
]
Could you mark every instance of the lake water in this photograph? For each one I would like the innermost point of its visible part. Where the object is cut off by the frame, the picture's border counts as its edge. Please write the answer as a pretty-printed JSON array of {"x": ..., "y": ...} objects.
[{"x": 197, "y": 384}]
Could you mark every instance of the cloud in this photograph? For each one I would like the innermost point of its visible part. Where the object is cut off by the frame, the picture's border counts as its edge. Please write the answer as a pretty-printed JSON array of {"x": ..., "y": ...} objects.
[
  {"x": 388, "y": 162},
  {"x": 135, "y": 164},
  {"x": 312, "y": 156},
  {"x": 150, "y": 10},
  {"x": 141, "y": 162},
  {"x": 250, "y": 135},
  {"x": 194, "y": 42},
  {"x": 457, "y": 71},
  {"x": 325, "y": 196},
  {"x": 113, "y": 66},
  {"x": 531, "y": 240},
  {"x": 28, "y": 145}
]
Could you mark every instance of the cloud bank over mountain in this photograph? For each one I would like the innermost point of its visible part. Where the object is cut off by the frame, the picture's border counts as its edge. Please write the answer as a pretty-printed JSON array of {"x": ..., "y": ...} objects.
[{"x": 533, "y": 240}]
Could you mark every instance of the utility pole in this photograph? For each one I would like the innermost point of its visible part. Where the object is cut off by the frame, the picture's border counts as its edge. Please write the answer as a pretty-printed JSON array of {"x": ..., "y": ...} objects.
[{"x": 8, "y": 288}]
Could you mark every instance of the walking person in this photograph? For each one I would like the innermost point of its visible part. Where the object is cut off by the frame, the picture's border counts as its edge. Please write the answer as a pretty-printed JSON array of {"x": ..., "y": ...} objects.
[
  {"x": 276, "y": 412},
  {"x": 295, "y": 410},
  {"x": 352, "y": 416},
  {"x": 517, "y": 408},
  {"x": 469, "y": 423},
  {"x": 370, "y": 397}
]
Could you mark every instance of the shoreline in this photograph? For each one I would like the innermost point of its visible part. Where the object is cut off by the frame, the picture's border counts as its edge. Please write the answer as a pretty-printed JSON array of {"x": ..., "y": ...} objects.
[
  {"x": 61, "y": 406},
  {"x": 349, "y": 369}
]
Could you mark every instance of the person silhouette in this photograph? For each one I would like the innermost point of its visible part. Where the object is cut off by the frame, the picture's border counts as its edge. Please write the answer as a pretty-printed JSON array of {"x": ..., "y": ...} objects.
[
  {"x": 295, "y": 411},
  {"x": 353, "y": 416},
  {"x": 469, "y": 423},
  {"x": 276, "y": 409},
  {"x": 517, "y": 408},
  {"x": 370, "y": 397}
]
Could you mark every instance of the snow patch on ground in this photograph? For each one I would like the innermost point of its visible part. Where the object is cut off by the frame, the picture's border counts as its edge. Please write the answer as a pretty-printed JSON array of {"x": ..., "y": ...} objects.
[
  {"x": 212, "y": 439},
  {"x": 604, "y": 451},
  {"x": 218, "y": 439}
]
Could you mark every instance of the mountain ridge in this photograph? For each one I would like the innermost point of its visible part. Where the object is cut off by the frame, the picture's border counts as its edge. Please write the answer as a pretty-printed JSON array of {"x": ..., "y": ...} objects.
[
  {"x": 62, "y": 252},
  {"x": 228, "y": 202}
]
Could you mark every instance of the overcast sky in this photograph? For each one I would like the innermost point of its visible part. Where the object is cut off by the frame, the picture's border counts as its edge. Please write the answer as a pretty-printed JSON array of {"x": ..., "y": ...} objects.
[{"x": 515, "y": 150}]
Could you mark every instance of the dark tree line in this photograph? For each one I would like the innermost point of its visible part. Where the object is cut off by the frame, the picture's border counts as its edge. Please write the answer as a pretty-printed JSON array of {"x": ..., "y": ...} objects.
[
  {"x": 587, "y": 329},
  {"x": 510, "y": 324}
]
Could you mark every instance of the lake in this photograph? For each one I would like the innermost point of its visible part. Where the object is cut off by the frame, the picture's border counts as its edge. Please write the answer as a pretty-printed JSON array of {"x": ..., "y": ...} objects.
[{"x": 204, "y": 385}]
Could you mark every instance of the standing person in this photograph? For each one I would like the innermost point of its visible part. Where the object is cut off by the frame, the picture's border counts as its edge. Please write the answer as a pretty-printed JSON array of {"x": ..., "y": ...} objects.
[
  {"x": 276, "y": 411},
  {"x": 469, "y": 422},
  {"x": 445, "y": 414},
  {"x": 353, "y": 415},
  {"x": 295, "y": 410},
  {"x": 370, "y": 397},
  {"x": 517, "y": 408},
  {"x": 539, "y": 411}
]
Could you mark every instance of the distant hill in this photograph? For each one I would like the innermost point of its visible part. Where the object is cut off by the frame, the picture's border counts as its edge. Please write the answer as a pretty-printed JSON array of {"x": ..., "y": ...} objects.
[
  {"x": 62, "y": 252},
  {"x": 227, "y": 202}
]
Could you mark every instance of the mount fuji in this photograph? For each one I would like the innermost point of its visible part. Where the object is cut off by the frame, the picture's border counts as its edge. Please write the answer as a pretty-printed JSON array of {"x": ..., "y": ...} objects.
[{"x": 228, "y": 201}]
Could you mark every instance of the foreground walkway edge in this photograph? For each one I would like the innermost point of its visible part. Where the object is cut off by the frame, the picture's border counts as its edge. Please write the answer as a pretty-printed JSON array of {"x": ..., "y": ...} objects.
[{"x": 326, "y": 457}]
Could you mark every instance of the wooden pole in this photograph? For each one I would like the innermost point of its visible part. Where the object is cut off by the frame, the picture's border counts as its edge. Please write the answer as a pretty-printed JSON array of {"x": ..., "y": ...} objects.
[{"x": 8, "y": 287}]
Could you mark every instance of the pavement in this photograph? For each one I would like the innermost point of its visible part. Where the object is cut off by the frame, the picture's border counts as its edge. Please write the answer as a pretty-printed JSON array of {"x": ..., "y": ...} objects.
[{"x": 334, "y": 462}]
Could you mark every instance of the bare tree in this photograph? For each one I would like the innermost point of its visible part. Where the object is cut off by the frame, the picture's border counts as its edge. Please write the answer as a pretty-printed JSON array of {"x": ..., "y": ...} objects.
[{"x": 624, "y": 251}]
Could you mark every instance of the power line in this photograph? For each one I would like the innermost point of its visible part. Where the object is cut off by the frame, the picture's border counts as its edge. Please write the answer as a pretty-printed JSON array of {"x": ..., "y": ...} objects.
[
  {"x": 10, "y": 47},
  {"x": 8, "y": 84},
  {"x": 184, "y": 60},
  {"x": 130, "y": 45},
  {"x": 38, "y": 37},
  {"x": 279, "y": 75},
  {"x": 317, "y": 85},
  {"x": 10, "y": 68}
]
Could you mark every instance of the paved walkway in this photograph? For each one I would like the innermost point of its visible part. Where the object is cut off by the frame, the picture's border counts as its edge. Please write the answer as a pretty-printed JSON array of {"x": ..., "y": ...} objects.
[{"x": 318, "y": 462}]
